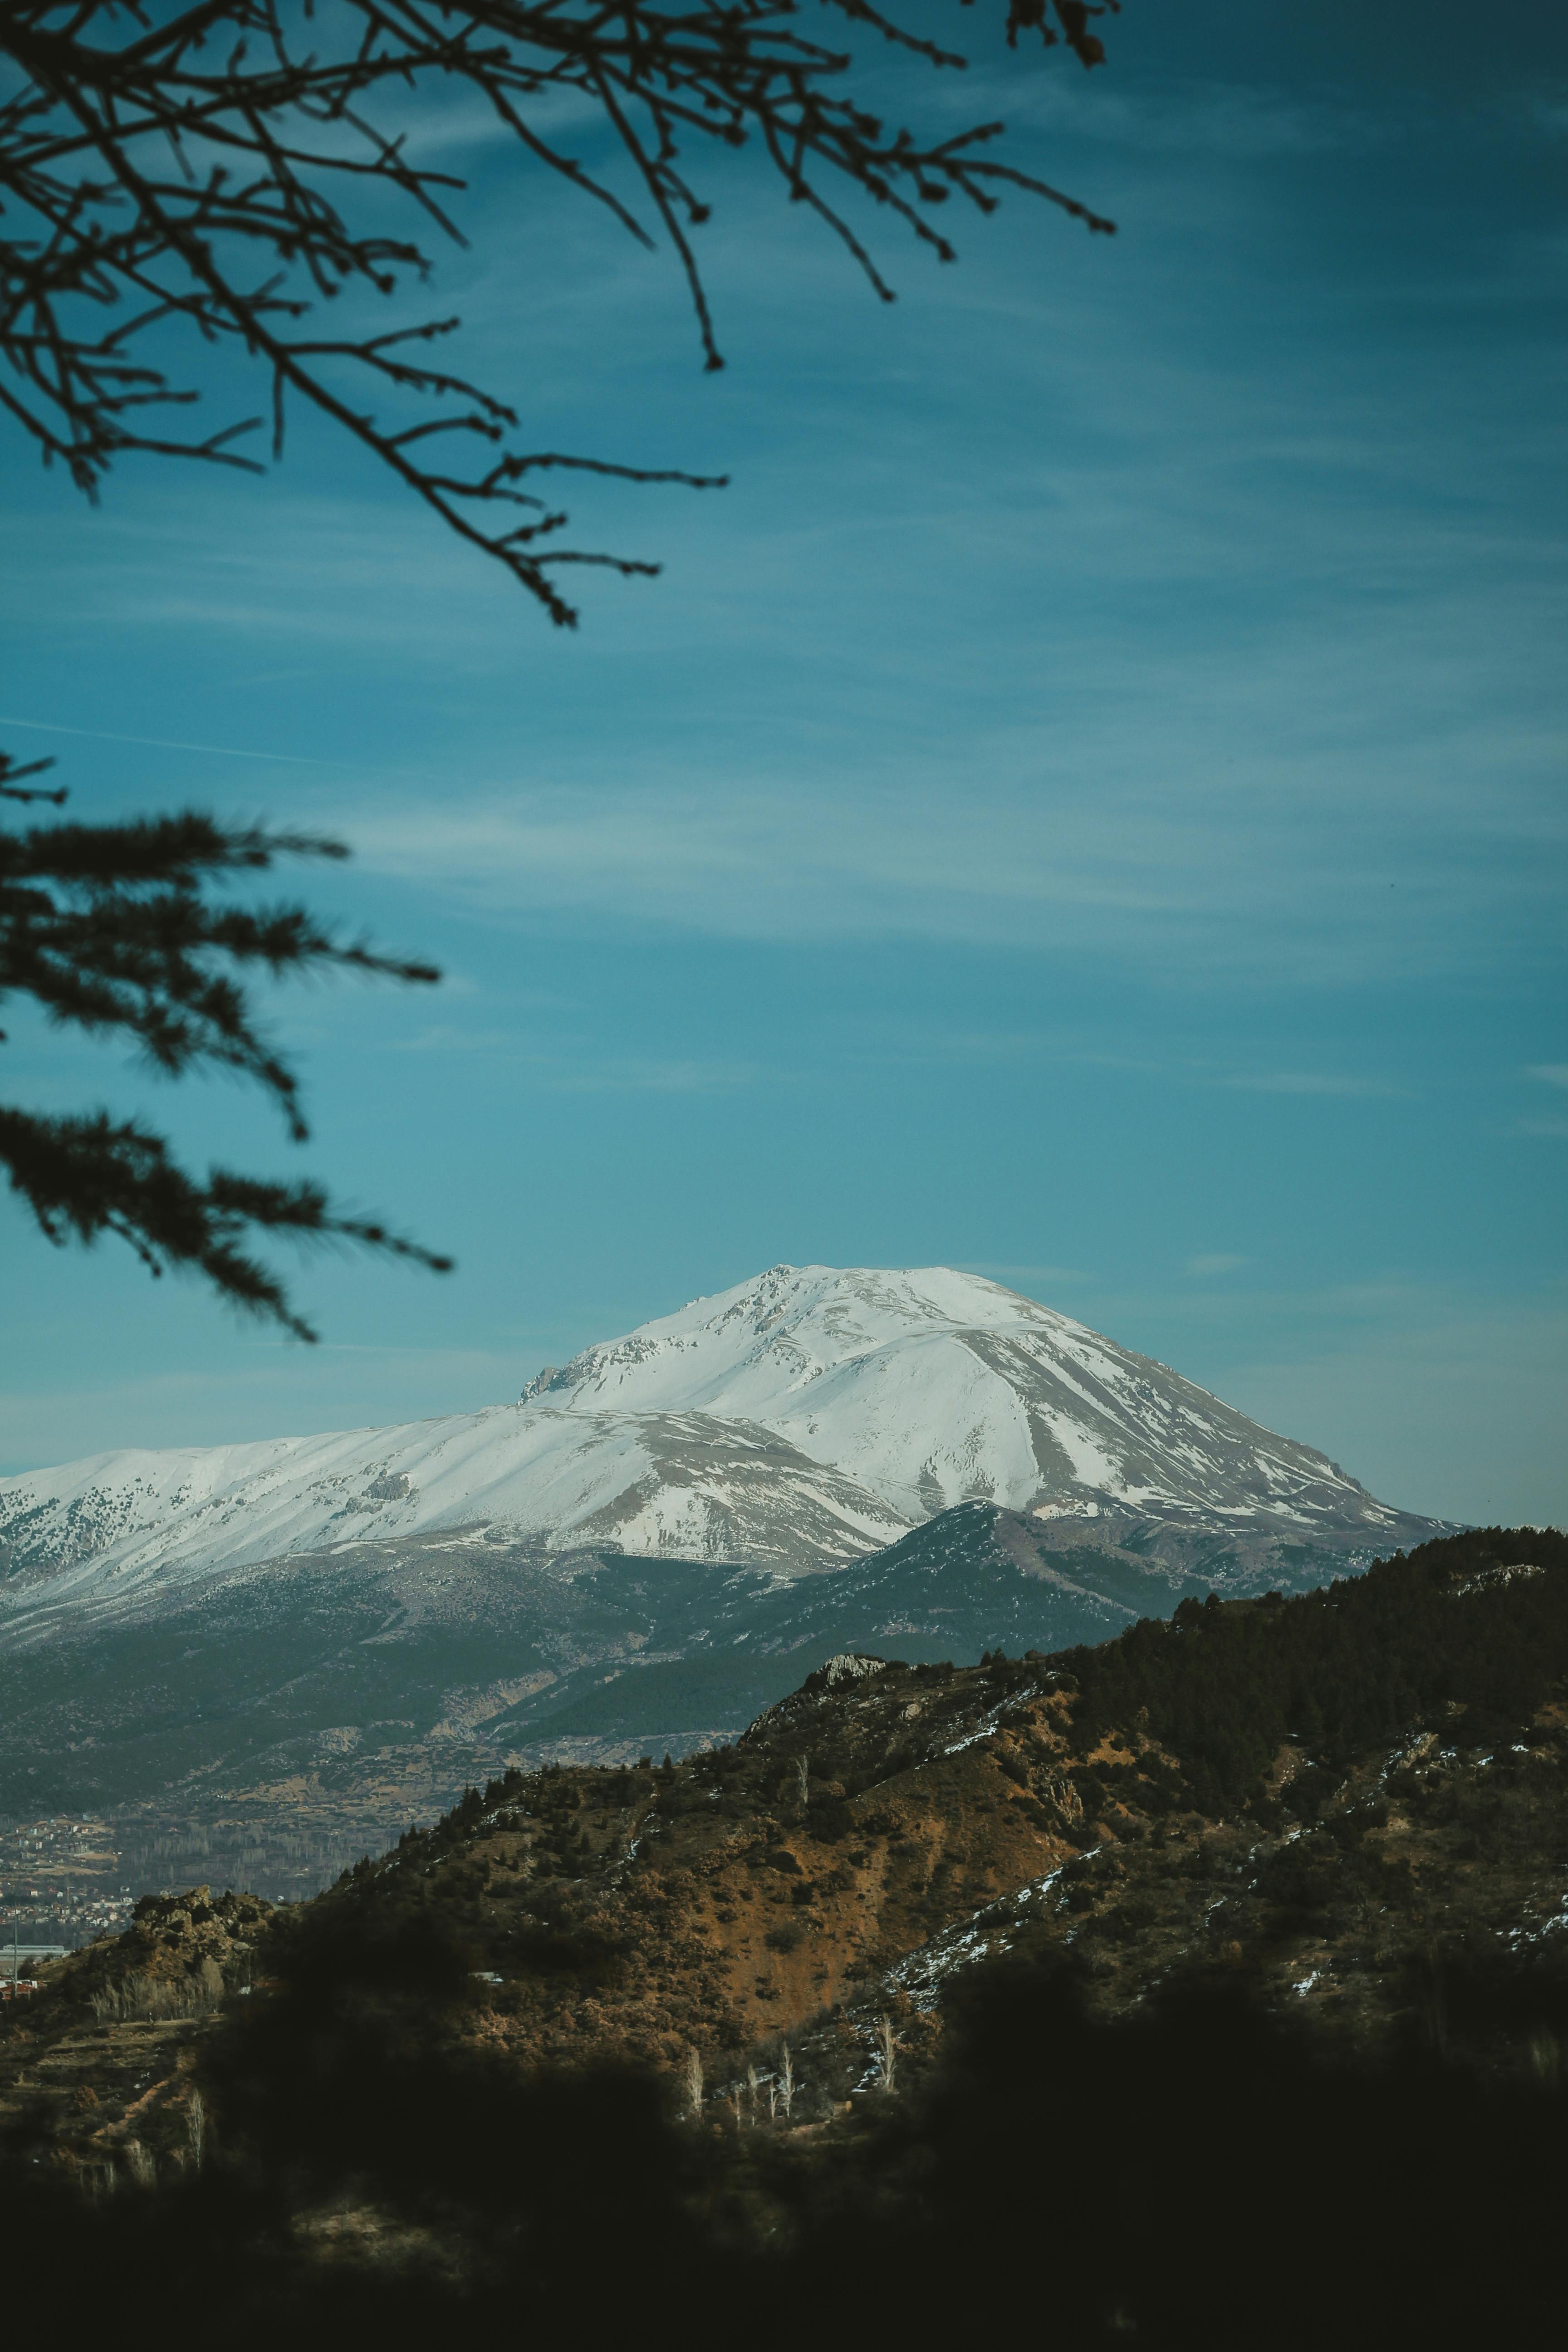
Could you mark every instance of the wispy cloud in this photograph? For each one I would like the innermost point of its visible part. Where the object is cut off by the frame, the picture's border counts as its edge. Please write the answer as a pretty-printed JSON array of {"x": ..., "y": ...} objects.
[
  {"x": 1026, "y": 855},
  {"x": 1307, "y": 1082},
  {"x": 1177, "y": 790},
  {"x": 1032, "y": 1275},
  {"x": 446, "y": 1038},
  {"x": 1239, "y": 121},
  {"x": 1213, "y": 1261},
  {"x": 1549, "y": 1073},
  {"x": 660, "y": 1077},
  {"x": 583, "y": 1069}
]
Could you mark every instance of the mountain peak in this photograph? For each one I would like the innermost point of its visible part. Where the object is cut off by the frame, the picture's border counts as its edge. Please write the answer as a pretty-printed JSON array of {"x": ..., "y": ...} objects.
[
  {"x": 807, "y": 1319},
  {"x": 932, "y": 1386},
  {"x": 797, "y": 1420}
]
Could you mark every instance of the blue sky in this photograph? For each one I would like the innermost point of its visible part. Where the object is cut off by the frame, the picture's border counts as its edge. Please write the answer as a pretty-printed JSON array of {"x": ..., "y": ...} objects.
[{"x": 1086, "y": 803}]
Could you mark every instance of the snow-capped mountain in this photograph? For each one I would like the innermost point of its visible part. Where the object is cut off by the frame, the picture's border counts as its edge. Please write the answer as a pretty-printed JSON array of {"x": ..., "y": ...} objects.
[
  {"x": 932, "y": 1388},
  {"x": 796, "y": 1422}
]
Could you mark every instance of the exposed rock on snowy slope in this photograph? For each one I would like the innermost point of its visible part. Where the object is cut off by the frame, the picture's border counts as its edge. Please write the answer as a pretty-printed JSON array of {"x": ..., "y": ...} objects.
[{"x": 795, "y": 1422}]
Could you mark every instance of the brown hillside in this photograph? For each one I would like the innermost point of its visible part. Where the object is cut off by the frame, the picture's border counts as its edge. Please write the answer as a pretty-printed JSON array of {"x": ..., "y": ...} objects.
[
  {"x": 710, "y": 1904},
  {"x": 884, "y": 1827}
]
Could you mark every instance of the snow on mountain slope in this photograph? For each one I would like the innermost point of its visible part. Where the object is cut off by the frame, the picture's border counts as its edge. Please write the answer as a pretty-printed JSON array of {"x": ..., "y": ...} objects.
[
  {"x": 798, "y": 1421},
  {"x": 676, "y": 1483},
  {"x": 933, "y": 1386}
]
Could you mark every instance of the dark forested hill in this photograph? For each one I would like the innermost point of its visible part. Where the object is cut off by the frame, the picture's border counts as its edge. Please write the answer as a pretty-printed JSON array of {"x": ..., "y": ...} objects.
[{"x": 1106, "y": 1976}]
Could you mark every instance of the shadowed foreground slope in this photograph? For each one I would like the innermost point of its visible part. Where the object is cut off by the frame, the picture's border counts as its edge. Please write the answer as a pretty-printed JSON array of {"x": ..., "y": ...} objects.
[{"x": 1269, "y": 2049}]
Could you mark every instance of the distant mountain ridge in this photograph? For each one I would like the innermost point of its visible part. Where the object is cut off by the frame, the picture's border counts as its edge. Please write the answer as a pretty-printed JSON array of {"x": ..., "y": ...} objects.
[
  {"x": 795, "y": 1422},
  {"x": 285, "y": 1652}
]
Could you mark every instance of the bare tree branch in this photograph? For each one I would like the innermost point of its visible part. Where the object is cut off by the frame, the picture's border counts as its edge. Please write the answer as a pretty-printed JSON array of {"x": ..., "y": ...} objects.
[
  {"x": 86, "y": 1176},
  {"x": 165, "y": 165}
]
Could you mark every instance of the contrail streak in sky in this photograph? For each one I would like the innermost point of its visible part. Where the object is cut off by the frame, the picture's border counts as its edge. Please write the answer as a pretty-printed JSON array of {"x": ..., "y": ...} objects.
[{"x": 163, "y": 743}]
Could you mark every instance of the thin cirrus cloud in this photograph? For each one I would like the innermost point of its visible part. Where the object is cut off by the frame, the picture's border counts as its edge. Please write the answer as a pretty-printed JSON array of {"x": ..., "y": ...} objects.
[
  {"x": 1032, "y": 860},
  {"x": 1034, "y": 1276},
  {"x": 1237, "y": 119},
  {"x": 584, "y": 1072},
  {"x": 651, "y": 1076},
  {"x": 1213, "y": 1261},
  {"x": 1308, "y": 1082},
  {"x": 1181, "y": 791},
  {"x": 1551, "y": 1128}
]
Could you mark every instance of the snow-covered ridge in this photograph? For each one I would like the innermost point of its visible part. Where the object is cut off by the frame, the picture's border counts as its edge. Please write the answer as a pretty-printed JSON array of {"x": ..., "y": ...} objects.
[{"x": 798, "y": 1420}]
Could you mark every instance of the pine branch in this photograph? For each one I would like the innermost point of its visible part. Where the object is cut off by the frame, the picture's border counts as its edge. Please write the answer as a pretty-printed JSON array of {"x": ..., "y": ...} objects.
[
  {"x": 89, "y": 1176},
  {"x": 111, "y": 929},
  {"x": 106, "y": 928}
]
